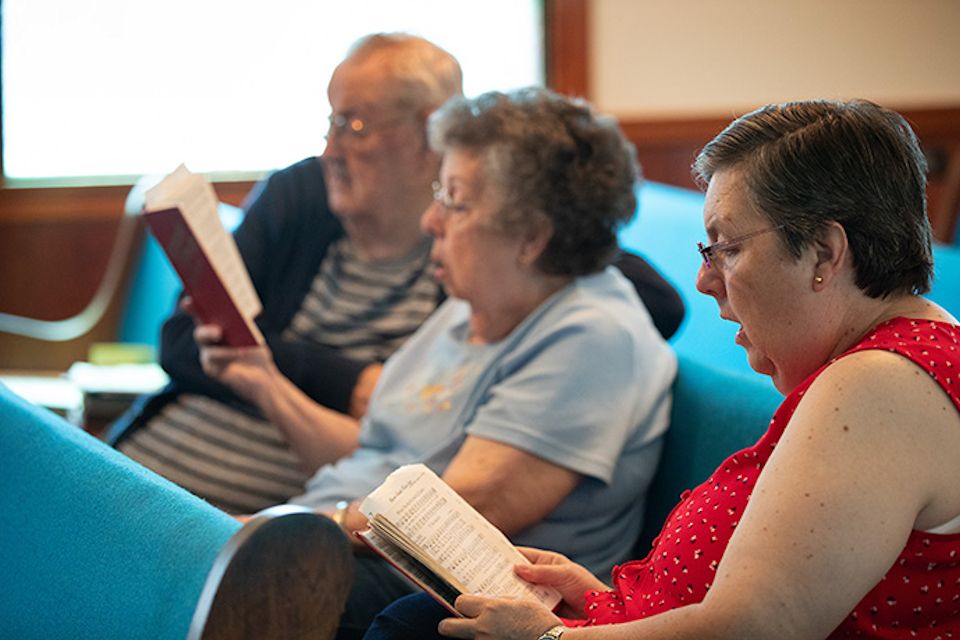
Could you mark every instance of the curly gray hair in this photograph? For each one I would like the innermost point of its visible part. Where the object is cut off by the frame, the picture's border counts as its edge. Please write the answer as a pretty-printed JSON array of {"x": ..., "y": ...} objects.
[{"x": 551, "y": 155}]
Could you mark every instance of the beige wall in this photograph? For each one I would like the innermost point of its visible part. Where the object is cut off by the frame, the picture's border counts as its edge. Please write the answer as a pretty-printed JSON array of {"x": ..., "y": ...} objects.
[{"x": 669, "y": 58}]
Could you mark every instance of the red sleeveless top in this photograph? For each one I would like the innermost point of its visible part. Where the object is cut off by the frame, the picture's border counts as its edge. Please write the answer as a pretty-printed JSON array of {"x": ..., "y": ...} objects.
[{"x": 919, "y": 597}]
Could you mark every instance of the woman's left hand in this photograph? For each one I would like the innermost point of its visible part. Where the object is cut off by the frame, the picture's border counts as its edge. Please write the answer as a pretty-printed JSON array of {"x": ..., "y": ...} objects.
[{"x": 498, "y": 619}]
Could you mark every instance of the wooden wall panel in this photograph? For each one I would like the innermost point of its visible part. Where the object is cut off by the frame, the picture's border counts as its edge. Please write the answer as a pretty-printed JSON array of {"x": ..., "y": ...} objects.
[
  {"x": 54, "y": 248},
  {"x": 567, "y": 48},
  {"x": 666, "y": 150},
  {"x": 49, "y": 270}
]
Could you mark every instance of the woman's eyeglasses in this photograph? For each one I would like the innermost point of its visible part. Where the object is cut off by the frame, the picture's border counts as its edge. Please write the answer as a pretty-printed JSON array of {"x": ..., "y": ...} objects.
[
  {"x": 442, "y": 196},
  {"x": 713, "y": 252}
]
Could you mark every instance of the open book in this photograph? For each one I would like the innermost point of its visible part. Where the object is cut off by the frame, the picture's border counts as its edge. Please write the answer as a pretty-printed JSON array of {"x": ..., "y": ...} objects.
[
  {"x": 181, "y": 211},
  {"x": 427, "y": 531}
]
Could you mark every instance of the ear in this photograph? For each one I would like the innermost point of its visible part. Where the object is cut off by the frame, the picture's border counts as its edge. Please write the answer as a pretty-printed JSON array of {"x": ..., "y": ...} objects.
[
  {"x": 424, "y": 118},
  {"x": 536, "y": 237},
  {"x": 832, "y": 250}
]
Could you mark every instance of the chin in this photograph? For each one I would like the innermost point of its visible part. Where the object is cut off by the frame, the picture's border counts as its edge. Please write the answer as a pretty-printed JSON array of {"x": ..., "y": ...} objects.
[
  {"x": 761, "y": 364},
  {"x": 343, "y": 206}
]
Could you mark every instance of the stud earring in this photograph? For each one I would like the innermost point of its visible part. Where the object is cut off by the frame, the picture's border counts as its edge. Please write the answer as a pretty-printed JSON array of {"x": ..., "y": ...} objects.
[{"x": 818, "y": 279}]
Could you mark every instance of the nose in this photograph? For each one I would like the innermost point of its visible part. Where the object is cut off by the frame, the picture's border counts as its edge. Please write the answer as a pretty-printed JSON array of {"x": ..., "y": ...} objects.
[
  {"x": 431, "y": 221},
  {"x": 710, "y": 281},
  {"x": 334, "y": 142}
]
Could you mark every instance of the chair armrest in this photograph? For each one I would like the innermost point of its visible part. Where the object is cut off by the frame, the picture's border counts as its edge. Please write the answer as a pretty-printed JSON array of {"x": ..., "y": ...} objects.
[{"x": 285, "y": 574}]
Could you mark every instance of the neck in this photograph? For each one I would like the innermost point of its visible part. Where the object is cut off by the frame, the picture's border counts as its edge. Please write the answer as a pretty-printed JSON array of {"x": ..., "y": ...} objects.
[
  {"x": 862, "y": 318},
  {"x": 493, "y": 320},
  {"x": 377, "y": 239}
]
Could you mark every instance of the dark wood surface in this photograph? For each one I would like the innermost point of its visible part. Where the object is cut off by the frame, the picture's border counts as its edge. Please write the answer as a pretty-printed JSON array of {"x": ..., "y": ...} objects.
[
  {"x": 54, "y": 249},
  {"x": 666, "y": 149},
  {"x": 285, "y": 574},
  {"x": 567, "y": 50}
]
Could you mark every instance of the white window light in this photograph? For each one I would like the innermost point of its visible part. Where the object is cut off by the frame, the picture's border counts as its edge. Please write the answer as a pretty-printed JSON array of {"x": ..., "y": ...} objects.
[{"x": 127, "y": 87}]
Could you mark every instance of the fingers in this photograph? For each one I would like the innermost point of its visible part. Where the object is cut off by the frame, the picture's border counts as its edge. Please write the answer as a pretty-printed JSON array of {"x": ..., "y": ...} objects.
[
  {"x": 207, "y": 334},
  {"x": 457, "y": 628},
  {"x": 540, "y": 556},
  {"x": 497, "y": 618},
  {"x": 546, "y": 574},
  {"x": 215, "y": 359},
  {"x": 469, "y": 606}
]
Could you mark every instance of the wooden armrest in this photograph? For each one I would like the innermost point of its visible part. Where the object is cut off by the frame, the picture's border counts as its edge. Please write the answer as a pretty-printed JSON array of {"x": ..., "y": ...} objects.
[{"x": 285, "y": 574}]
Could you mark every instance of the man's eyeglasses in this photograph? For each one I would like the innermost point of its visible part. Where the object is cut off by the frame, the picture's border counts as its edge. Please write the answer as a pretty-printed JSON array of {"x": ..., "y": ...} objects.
[
  {"x": 716, "y": 250},
  {"x": 359, "y": 128},
  {"x": 441, "y": 195}
]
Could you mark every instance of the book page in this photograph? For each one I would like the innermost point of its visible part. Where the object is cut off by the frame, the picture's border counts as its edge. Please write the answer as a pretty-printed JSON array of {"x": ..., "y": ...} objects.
[
  {"x": 441, "y": 590},
  {"x": 446, "y": 528},
  {"x": 197, "y": 201}
]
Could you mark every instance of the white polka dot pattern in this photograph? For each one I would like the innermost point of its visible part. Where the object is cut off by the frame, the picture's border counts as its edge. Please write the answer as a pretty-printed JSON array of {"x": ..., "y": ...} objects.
[{"x": 918, "y": 598}]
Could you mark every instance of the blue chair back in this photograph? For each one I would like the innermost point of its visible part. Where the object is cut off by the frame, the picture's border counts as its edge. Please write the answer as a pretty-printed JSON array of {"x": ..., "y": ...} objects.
[
  {"x": 715, "y": 413},
  {"x": 92, "y": 545}
]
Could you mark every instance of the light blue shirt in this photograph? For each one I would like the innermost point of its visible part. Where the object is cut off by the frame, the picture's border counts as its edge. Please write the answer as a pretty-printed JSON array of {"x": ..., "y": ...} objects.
[{"x": 583, "y": 382}]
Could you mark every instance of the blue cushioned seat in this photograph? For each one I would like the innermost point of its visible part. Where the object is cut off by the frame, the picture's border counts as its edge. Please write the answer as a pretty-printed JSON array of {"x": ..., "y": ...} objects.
[
  {"x": 715, "y": 413},
  {"x": 92, "y": 545}
]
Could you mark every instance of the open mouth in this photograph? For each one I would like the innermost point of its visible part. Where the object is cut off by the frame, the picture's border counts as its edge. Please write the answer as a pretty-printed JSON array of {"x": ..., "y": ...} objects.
[
  {"x": 435, "y": 269},
  {"x": 741, "y": 338}
]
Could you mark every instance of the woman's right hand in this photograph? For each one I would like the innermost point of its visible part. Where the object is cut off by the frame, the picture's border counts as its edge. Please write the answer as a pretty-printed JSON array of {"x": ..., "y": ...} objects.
[{"x": 566, "y": 576}]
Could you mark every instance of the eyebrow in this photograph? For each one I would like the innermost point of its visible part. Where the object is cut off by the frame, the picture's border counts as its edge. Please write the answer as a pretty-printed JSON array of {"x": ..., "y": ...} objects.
[
  {"x": 455, "y": 183},
  {"x": 353, "y": 109}
]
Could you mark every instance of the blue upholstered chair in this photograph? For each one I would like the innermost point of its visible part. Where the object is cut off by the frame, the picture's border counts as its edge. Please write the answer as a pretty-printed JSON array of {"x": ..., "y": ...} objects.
[
  {"x": 715, "y": 413},
  {"x": 92, "y": 545}
]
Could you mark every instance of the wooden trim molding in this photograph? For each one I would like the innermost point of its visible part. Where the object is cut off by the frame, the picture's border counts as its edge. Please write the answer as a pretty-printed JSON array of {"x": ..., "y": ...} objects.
[
  {"x": 567, "y": 46},
  {"x": 86, "y": 203},
  {"x": 666, "y": 149}
]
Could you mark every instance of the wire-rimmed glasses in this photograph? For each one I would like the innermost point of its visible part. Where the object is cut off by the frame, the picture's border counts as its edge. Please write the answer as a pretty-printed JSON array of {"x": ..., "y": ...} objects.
[{"x": 714, "y": 251}]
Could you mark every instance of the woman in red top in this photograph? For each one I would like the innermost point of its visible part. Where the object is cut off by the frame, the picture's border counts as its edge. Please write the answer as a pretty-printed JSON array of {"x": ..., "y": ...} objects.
[{"x": 844, "y": 519}]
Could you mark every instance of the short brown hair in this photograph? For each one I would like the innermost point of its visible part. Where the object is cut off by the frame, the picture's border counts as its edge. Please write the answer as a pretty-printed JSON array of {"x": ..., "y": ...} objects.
[{"x": 854, "y": 163}]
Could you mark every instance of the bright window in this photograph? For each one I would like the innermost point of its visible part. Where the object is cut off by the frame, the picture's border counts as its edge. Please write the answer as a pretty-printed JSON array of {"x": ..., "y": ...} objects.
[{"x": 128, "y": 87}]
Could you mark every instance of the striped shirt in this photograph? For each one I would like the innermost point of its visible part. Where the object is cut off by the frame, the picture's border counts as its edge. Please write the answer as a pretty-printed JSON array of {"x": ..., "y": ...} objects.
[
  {"x": 241, "y": 463},
  {"x": 366, "y": 309}
]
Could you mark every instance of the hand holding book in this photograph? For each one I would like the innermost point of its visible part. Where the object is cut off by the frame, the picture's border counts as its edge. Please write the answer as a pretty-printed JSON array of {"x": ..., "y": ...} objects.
[
  {"x": 431, "y": 534},
  {"x": 181, "y": 212}
]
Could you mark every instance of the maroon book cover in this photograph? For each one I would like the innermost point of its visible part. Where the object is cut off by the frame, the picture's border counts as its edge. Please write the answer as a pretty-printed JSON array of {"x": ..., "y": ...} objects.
[{"x": 211, "y": 298}]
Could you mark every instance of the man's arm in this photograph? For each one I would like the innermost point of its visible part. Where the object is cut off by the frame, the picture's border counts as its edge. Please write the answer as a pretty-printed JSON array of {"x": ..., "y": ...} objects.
[{"x": 287, "y": 218}]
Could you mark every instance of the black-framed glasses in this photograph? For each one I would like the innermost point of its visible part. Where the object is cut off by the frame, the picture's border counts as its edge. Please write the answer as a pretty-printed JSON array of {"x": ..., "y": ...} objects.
[
  {"x": 714, "y": 251},
  {"x": 442, "y": 196},
  {"x": 359, "y": 128}
]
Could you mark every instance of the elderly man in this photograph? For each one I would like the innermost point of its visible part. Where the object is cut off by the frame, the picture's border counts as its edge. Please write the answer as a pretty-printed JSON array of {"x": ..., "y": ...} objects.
[{"x": 335, "y": 251}]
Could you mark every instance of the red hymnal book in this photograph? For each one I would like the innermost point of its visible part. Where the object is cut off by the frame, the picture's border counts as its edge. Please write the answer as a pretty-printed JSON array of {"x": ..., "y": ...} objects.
[{"x": 181, "y": 212}]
